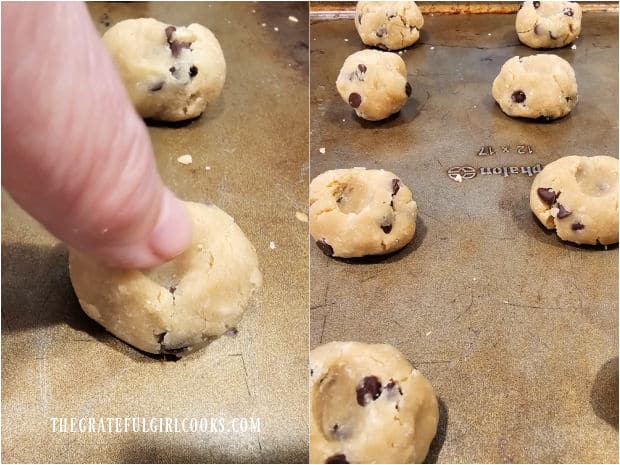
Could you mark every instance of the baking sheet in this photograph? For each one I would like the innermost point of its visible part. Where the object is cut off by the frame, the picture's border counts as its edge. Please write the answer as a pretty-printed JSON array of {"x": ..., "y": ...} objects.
[
  {"x": 517, "y": 331},
  {"x": 58, "y": 363}
]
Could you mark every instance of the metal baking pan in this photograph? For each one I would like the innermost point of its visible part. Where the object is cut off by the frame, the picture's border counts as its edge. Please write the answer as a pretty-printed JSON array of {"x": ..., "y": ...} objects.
[
  {"x": 58, "y": 363},
  {"x": 517, "y": 331}
]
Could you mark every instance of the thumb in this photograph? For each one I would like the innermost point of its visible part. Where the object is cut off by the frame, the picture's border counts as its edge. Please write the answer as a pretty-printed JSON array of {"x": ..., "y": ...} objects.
[{"x": 75, "y": 154}]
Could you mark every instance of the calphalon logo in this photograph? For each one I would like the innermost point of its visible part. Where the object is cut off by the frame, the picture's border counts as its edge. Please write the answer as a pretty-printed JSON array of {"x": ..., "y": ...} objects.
[{"x": 460, "y": 173}]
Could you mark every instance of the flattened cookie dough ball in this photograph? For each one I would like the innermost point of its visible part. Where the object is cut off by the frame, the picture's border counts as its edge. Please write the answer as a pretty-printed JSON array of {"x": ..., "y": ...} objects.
[
  {"x": 374, "y": 83},
  {"x": 368, "y": 405},
  {"x": 177, "y": 306},
  {"x": 357, "y": 212},
  {"x": 388, "y": 25},
  {"x": 538, "y": 86},
  {"x": 171, "y": 73},
  {"x": 578, "y": 197},
  {"x": 548, "y": 24}
]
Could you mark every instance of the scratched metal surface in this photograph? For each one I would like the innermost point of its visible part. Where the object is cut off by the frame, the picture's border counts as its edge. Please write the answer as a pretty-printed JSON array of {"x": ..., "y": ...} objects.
[
  {"x": 57, "y": 363},
  {"x": 517, "y": 331}
]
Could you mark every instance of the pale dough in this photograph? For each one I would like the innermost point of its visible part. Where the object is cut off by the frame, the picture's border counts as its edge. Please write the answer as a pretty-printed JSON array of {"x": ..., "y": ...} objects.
[
  {"x": 374, "y": 83},
  {"x": 356, "y": 212},
  {"x": 368, "y": 405},
  {"x": 537, "y": 86},
  {"x": 177, "y": 306},
  {"x": 388, "y": 25},
  {"x": 171, "y": 73},
  {"x": 548, "y": 24},
  {"x": 578, "y": 197}
]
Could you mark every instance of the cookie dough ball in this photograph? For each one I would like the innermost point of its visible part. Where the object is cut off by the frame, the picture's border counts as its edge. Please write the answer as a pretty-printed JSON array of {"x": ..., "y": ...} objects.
[
  {"x": 548, "y": 24},
  {"x": 181, "y": 304},
  {"x": 578, "y": 197},
  {"x": 374, "y": 83},
  {"x": 538, "y": 86},
  {"x": 171, "y": 73},
  {"x": 388, "y": 25},
  {"x": 356, "y": 212},
  {"x": 368, "y": 405}
]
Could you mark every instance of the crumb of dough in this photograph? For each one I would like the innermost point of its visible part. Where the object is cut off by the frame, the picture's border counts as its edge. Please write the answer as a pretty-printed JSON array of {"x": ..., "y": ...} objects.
[
  {"x": 185, "y": 159},
  {"x": 293, "y": 19},
  {"x": 301, "y": 217}
]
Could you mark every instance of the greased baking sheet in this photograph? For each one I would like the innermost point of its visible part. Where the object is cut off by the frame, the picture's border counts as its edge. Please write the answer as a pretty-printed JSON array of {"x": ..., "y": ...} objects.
[
  {"x": 58, "y": 363},
  {"x": 517, "y": 331}
]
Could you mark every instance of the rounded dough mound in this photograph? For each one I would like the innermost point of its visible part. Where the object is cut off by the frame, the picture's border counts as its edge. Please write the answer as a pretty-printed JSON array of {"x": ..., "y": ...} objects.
[
  {"x": 374, "y": 83},
  {"x": 171, "y": 73},
  {"x": 181, "y": 304},
  {"x": 388, "y": 25},
  {"x": 578, "y": 197},
  {"x": 548, "y": 24},
  {"x": 368, "y": 405},
  {"x": 538, "y": 86},
  {"x": 357, "y": 212}
]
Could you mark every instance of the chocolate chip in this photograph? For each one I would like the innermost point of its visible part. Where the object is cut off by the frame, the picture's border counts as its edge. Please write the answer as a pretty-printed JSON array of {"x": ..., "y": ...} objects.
[
  {"x": 325, "y": 247},
  {"x": 231, "y": 332},
  {"x": 381, "y": 32},
  {"x": 408, "y": 89},
  {"x": 551, "y": 36},
  {"x": 359, "y": 19},
  {"x": 568, "y": 99},
  {"x": 368, "y": 389},
  {"x": 311, "y": 371},
  {"x": 395, "y": 186},
  {"x": 547, "y": 195},
  {"x": 391, "y": 17},
  {"x": 338, "y": 458},
  {"x": 169, "y": 31},
  {"x": 391, "y": 385},
  {"x": 172, "y": 289},
  {"x": 157, "y": 87},
  {"x": 172, "y": 70},
  {"x": 176, "y": 47},
  {"x": 536, "y": 4},
  {"x": 518, "y": 96},
  {"x": 362, "y": 67},
  {"x": 563, "y": 212},
  {"x": 193, "y": 71},
  {"x": 381, "y": 47},
  {"x": 568, "y": 11},
  {"x": 355, "y": 99},
  {"x": 386, "y": 228},
  {"x": 577, "y": 226},
  {"x": 536, "y": 30}
]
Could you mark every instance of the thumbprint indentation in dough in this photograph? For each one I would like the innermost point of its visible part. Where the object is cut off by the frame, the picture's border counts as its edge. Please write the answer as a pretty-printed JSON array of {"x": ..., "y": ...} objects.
[
  {"x": 595, "y": 180},
  {"x": 351, "y": 195},
  {"x": 335, "y": 406}
]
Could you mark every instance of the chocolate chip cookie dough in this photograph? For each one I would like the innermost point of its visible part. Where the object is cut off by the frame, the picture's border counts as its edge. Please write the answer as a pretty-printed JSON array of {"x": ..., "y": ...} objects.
[
  {"x": 538, "y": 86},
  {"x": 578, "y": 197},
  {"x": 177, "y": 306},
  {"x": 171, "y": 73},
  {"x": 388, "y": 25},
  {"x": 548, "y": 24},
  {"x": 357, "y": 212},
  {"x": 374, "y": 83},
  {"x": 368, "y": 405}
]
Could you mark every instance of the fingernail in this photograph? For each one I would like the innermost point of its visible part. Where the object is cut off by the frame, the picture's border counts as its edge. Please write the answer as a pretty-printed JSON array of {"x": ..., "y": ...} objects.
[{"x": 173, "y": 232}]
